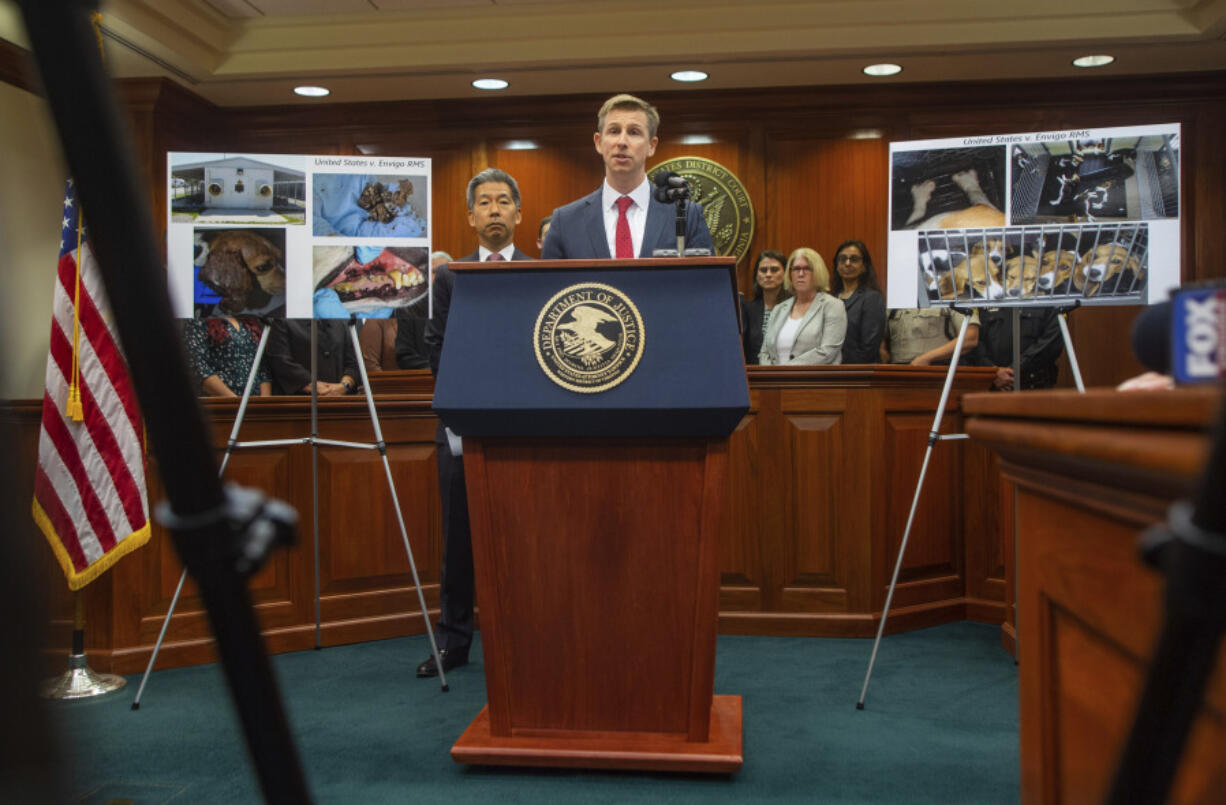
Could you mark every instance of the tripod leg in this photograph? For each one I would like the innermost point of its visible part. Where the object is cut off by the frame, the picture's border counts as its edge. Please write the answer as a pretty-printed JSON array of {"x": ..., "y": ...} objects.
[
  {"x": 315, "y": 472},
  {"x": 238, "y": 423},
  {"x": 919, "y": 487},
  {"x": 391, "y": 486},
  {"x": 1072, "y": 356}
]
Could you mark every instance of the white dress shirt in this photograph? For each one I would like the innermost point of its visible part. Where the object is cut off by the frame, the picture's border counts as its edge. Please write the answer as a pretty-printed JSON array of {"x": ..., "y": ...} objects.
[
  {"x": 507, "y": 252},
  {"x": 636, "y": 214}
]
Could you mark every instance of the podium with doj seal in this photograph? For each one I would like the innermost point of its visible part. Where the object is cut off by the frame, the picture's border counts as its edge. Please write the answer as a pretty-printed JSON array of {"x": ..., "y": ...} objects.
[{"x": 595, "y": 399}]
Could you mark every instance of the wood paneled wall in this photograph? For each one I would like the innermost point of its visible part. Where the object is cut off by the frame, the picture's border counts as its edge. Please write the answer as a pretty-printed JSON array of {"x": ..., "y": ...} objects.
[{"x": 813, "y": 176}]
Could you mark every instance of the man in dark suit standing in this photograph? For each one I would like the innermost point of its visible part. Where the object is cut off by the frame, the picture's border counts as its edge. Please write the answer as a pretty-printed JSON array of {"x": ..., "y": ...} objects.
[
  {"x": 622, "y": 219},
  {"x": 494, "y": 212}
]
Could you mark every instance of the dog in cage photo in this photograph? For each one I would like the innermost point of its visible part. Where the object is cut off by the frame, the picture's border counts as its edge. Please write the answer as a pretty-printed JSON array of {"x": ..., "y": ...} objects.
[
  {"x": 1094, "y": 180},
  {"x": 1061, "y": 263},
  {"x": 962, "y": 266},
  {"x": 950, "y": 188}
]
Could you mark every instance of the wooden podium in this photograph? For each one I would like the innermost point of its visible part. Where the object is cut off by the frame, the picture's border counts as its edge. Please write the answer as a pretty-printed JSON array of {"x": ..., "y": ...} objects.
[{"x": 596, "y": 515}]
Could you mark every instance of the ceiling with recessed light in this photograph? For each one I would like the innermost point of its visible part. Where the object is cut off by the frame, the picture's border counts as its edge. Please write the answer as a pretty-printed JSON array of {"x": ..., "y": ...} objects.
[{"x": 252, "y": 52}]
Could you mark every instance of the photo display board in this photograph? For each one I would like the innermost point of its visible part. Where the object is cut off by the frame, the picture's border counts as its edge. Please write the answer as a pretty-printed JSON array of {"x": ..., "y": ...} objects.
[
  {"x": 297, "y": 236},
  {"x": 1039, "y": 219}
]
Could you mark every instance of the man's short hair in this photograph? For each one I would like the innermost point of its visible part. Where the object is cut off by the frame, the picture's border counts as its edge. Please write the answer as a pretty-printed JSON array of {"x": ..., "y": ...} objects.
[
  {"x": 624, "y": 101},
  {"x": 492, "y": 175},
  {"x": 544, "y": 223}
]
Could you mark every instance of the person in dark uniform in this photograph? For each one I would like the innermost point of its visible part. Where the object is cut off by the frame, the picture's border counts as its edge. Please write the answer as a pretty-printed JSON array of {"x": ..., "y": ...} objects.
[{"x": 1041, "y": 346}]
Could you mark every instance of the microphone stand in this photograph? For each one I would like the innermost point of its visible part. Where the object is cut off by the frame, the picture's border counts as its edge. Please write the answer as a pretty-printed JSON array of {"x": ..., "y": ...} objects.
[
  {"x": 680, "y": 194},
  {"x": 1190, "y": 550}
]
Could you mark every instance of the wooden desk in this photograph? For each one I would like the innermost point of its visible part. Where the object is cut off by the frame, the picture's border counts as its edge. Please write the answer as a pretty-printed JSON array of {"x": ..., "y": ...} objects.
[{"x": 1086, "y": 474}]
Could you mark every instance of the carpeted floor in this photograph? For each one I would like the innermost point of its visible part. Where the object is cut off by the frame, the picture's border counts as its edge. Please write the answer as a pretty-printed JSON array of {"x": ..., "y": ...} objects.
[{"x": 940, "y": 725}]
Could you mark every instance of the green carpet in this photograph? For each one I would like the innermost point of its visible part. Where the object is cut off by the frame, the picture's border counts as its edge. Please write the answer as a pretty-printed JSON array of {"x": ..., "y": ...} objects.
[{"x": 940, "y": 725}]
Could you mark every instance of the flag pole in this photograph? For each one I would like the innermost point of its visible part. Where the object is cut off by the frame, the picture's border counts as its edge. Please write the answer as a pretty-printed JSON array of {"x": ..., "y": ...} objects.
[{"x": 80, "y": 681}]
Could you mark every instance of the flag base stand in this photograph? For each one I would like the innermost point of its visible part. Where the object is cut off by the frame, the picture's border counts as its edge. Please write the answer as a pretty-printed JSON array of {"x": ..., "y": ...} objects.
[{"x": 81, "y": 682}]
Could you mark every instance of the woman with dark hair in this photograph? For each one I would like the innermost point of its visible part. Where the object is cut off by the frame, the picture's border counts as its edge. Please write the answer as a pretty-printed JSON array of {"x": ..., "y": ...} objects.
[
  {"x": 770, "y": 287},
  {"x": 221, "y": 351},
  {"x": 855, "y": 282}
]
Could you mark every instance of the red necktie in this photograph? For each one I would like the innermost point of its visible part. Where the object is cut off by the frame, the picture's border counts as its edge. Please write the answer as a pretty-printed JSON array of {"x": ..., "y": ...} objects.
[
  {"x": 625, "y": 244},
  {"x": 493, "y": 256}
]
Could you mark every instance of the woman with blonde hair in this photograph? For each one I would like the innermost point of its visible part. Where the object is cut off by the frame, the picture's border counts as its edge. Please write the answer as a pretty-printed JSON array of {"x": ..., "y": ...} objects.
[{"x": 808, "y": 328}]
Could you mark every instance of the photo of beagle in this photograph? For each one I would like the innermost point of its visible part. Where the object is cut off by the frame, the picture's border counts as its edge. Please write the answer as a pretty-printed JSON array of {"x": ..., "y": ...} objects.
[
  {"x": 1105, "y": 263},
  {"x": 245, "y": 268},
  {"x": 951, "y": 275},
  {"x": 1021, "y": 275},
  {"x": 981, "y": 212},
  {"x": 948, "y": 188}
]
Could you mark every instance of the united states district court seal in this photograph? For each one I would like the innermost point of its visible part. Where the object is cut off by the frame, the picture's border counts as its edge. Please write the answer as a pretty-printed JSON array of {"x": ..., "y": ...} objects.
[
  {"x": 588, "y": 337},
  {"x": 725, "y": 202}
]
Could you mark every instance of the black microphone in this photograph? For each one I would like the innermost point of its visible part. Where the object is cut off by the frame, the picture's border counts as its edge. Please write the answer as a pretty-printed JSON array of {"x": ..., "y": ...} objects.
[
  {"x": 1186, "y": 336},
  {"x": 1151, "y": 338},
  {"x": 670, "y": 187}
]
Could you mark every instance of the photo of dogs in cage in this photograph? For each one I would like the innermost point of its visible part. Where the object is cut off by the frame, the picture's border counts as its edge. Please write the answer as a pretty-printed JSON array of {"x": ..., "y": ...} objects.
[
  {"x": 1105, "y": 263},
  {"x": 948, "y": 188},
  {"x": 369, "y": 205},
  {"x": 1133, "y": 178},
  {"x": 238, "y": 271},
  {"x": 367, "y": 280}
]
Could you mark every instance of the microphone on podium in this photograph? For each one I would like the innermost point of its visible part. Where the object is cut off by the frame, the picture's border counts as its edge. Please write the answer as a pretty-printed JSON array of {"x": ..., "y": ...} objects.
[{"x": 671, "y": 187}]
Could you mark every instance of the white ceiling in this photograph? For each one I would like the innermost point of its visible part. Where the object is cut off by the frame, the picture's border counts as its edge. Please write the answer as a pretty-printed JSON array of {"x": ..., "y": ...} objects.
[{"x": 251, "y": 52}]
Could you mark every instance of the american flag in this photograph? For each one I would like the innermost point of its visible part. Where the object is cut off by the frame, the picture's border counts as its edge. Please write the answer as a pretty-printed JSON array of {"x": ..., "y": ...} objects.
[{"x": 89, "y": 493}]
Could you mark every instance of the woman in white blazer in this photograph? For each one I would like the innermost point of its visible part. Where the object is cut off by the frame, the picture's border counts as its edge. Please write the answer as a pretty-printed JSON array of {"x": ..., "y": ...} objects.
[{"x": 809, "y": 327}]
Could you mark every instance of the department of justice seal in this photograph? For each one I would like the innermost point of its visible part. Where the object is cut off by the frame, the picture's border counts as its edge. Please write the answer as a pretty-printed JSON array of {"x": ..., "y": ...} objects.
[
  {"x": 725, "y": 202},
  {"x": 588, "y": 337}
]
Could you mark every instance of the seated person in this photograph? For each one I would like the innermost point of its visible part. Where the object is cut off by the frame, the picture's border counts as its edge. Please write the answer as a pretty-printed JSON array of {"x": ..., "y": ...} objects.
[
  {"x": 855, "y": 283},
  {"x": 809, "y": 327},
  {"x": 1041, "y": 346},
  {"x": 770, "y": 287},
  {"x": 220, "y": 352},
  {"x": 926, "y": 336},
  {"x": 288, "y": 356}
]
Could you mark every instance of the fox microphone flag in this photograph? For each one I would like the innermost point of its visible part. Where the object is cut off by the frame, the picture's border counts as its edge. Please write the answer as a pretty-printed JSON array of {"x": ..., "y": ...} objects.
[{"x": 89, "y": 491}]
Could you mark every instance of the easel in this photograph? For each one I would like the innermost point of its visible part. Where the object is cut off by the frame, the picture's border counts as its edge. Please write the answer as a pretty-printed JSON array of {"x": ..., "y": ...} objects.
[
  {"x": 935, "y": 436},
  {"x": 315, "y": 441}
]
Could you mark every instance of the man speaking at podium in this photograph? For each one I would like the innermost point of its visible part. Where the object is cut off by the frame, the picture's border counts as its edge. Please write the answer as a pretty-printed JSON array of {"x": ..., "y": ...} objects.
[
  {"x": 622, "y": 219},
  {"x": 494, "y": 212}
]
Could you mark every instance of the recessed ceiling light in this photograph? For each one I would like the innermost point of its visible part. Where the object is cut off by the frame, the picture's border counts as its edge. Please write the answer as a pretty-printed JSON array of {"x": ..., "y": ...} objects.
[
  {"x": 697, "y": 139},
  {"x": 882, "y": 69},
  {"x": 312, "y": 92},
  {"x": 1097, "y": 60},
  {"x": 521, "y": 145},
  {"x": 490, "y": 83},
  {"x": 689, "y": 75}
]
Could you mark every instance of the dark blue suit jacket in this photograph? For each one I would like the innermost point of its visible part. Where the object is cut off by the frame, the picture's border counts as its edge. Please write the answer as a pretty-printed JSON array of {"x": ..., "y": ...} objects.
[
  {"x": 444, "y": 283},
  {"x": 577, "y": 231}
]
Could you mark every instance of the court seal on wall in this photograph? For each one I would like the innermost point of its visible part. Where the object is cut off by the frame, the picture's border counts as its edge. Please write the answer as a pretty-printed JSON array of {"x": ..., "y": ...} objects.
[
  {"x": 588, "y": 338},
  {"x": 725, "y": 202}
]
